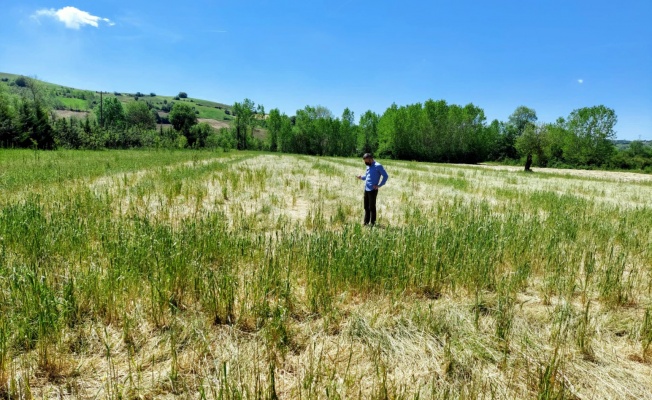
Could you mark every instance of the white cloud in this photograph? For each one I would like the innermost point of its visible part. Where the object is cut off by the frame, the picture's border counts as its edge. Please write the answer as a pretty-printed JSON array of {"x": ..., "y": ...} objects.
[
  {"x": 72, "y": 17},
  {"x": 580, "y": 81}
]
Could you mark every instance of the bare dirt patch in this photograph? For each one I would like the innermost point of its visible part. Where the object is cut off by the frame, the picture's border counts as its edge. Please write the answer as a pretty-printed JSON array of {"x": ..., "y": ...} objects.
[
  {"x": 214, "y": 123},
  {"x": 69, "y": 114}
]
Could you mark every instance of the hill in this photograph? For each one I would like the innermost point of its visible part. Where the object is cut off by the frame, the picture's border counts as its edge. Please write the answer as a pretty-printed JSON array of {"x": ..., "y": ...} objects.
[{"x": 68, "y": 101}]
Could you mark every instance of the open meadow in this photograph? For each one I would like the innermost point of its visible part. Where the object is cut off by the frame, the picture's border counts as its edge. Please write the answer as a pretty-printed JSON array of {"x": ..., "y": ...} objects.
[{"x": 157, "y": 274}]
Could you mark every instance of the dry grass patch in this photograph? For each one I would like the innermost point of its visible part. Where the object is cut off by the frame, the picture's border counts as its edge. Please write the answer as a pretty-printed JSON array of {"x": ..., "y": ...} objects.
[{"x": 250, "y": 276}]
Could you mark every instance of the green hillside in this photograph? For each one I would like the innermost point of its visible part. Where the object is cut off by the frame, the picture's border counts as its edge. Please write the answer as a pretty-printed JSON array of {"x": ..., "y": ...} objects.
[{"x": 72, "y": 99}]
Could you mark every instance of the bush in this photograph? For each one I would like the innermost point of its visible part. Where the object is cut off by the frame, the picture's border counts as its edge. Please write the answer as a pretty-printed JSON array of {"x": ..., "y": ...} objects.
[
  {"x": 21, "y": 81},
  {"x": 152, "y": 94},
  {"x": 220, "y": 140},
  {"x": 182, "y": 95},
  {"x": 177, "y": 98}
]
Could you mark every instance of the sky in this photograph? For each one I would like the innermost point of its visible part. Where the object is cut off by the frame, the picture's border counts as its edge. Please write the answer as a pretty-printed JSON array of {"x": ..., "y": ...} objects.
[{"x": 553, "y": 56}]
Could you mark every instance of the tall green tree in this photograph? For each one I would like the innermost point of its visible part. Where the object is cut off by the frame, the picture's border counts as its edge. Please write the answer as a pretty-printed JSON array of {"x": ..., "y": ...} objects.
[
  {"x": 286, "y": 136},
  {"x": 439, "y": 135},
  {"x": 139, "y": 115},
  {"x": 368, "y": 133},
  {"x": 591, "y": 133},
  {"x": 557, "y": 137},
  {"x": 274, "y": 123},
  {"x": 110, "y": 113},
  {"x": 198, "y": 134},
  {"x": 531, "y": 143},
  {"x": 243, "y": 123},
  {"x": 521, "y": 118},
  {"x": 183, "y": 118},
  {"x": 7, "y": 119},
  {"x": 347, "y": 134},
  {"x": 34, "y": 125}
]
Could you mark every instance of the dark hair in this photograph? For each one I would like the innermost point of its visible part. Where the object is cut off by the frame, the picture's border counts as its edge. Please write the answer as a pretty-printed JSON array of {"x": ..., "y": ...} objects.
[{"x": 367, "y": 156}]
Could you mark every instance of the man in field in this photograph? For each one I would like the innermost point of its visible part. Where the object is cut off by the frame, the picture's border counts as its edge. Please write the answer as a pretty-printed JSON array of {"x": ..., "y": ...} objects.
[{"x": 372, "y": 182}]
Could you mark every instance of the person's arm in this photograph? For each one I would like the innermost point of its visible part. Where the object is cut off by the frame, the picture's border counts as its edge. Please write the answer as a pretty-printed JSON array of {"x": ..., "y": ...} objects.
[
  {"x": 363, "y": 176},
  {"x": 384, "y": 177}
]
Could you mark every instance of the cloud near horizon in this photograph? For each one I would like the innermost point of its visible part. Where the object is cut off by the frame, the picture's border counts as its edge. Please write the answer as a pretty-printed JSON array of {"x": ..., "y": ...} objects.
[{"x": 72, "y": 17}]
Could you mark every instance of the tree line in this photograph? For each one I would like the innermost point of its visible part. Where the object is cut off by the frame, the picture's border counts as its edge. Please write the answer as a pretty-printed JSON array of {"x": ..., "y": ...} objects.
[{"x": 433, "y": 131}]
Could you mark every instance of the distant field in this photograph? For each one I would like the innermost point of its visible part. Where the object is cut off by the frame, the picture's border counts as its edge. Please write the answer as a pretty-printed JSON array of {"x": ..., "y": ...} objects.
[
  {"x": 148, "y": 274},
  {"x": 67, "y": 98}
]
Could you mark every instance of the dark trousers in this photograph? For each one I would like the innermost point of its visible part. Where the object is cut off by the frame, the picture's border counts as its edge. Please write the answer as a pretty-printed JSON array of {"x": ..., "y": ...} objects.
[{"x": 370, "y": 207}]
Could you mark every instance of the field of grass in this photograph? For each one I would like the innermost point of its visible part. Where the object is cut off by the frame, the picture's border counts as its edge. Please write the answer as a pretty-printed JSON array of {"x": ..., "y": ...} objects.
[
  {"x": 63, "y": 97},
  {"x": 143, "y": 274}
]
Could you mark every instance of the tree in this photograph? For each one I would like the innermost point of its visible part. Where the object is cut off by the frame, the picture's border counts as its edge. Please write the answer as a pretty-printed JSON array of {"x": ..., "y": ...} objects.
[
  {"x": 183, "y": 117},
  {"x": 591, "y": 131},
  {"x": 7, "y": 120},
  {"x": 494, "y": 133},
  {"x": 387, "y": 127},
  {"x": 244, "y": 113},
  {"x": 111, "y": 113},
  {"x": 348, "y": 134},
  {"x": 532, "y": 142},
  {"x": 521, "y": 118},
  {"x": 274, "y": 123},
  {"x": 557, "y": 136},
  {"x": 286, "y": 137},
  {"x": 182, "y": 95},
  {"x": 139, "y": 115},
  {"x": 368, "y": 137},
  {"x": 198, "y": 134},
  {"x": 33, "y": 126}
]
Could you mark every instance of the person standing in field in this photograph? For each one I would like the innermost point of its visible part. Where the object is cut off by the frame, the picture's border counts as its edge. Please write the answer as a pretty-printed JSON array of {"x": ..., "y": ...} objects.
[{"x": 372, "y": 182}]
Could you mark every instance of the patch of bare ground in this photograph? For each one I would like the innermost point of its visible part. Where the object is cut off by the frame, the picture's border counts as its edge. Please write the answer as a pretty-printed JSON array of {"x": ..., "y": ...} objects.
[
  {"x": 214, "y": 123},
  {"x": 71, "y": 114}
]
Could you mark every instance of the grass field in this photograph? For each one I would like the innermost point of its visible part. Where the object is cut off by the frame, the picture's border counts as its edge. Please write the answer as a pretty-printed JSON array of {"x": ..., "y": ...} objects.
[
  {"x": 142, "y": 274},
  {"x": 67, "y": 98}
]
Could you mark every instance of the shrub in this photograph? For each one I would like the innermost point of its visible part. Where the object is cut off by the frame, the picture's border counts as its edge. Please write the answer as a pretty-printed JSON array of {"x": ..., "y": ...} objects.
[
  {"x": 21, "y": 81},
  {"x": 152, "y": 94},
  {"x": 182, "y": 95}
]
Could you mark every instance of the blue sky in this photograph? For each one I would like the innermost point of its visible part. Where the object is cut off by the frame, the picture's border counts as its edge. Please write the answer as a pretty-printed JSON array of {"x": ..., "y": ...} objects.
[{"x": 553, "y": 56}]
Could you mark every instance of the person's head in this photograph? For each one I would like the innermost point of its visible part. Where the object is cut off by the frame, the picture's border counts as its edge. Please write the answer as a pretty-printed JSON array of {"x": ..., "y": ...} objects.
[{"x": 368, "y": 159}]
